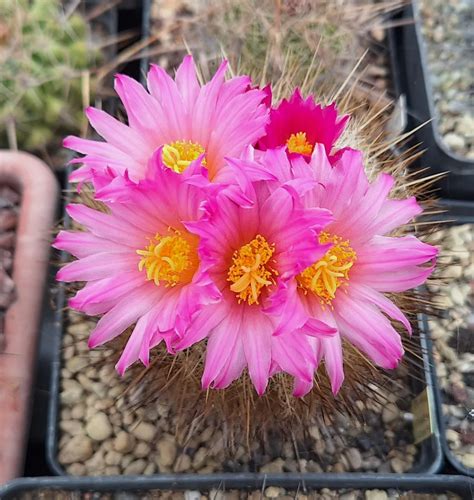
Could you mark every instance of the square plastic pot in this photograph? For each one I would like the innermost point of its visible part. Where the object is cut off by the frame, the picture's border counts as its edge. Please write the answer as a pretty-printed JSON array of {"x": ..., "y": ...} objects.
[{"x": 414, "y": 81}]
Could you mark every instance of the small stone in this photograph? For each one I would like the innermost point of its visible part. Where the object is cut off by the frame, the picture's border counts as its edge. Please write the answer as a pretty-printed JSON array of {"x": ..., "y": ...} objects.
[
  {"x": 136, "y": 467},
  {"x": 77, "y": 449},
  {"x": 314, "y": 432},
  {"x": 72, "y": 427},
  {"x": 78, "y": 412},
  {"x": 123, "y": 443},
  {"x": 167, "y": 450},
  {"x": 468, "y": 460},
  {"x": 354, "y": 458},
  {"x": 275, "y": 467},
  {"x": 144, "y": 431},
  {"x": 112, "y": 457},
  {"x": 8, "y": 219},
  {"x": 274, "y": 492},
  {"x": 398, "y": 465},
  {"x": 77, "y": 364},
  {"x": 217, "y": 495},
  {"x": 192, "y": 495},
  {"x": 452, "y": 436},
  {"x": 390, "y": 413},
  {"x": 141, "y": 450},
  {"x": 77, "y": 469},
  {"x": 126, "y": 460},
  {"x": 200, "y": 457},
  {"x": 454, "y": 141},
  {"x": 350, "y": 495},
  {"x": 149, "y": 469},
  {"x": 98, "y": 427},
  {"x": 376, "y": 495},
  {"x": 183, "y": 464}
]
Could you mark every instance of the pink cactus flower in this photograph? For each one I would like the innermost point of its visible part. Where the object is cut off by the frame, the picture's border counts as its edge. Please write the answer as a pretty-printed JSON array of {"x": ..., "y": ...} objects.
[
  {"x": 300, "y": 124},
  {"x": 251, "y": 251},
  {"x": 140, "y": 260},
  {"x": 185, "y": 119},
  {"x": 346, "y": 287}
]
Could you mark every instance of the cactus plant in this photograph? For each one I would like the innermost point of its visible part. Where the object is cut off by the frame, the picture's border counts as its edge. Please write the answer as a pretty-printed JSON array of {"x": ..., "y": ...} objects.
[{"x": 45, "y": 54}]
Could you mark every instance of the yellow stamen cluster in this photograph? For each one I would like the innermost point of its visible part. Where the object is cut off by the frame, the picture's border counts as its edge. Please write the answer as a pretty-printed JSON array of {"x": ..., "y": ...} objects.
[
  {"x": 249, "y": 272},
  {"x": 326, "y": 275},
  {"x": 179, "y": 154},
  {"x": 170, "y": 258},
  {"x": 297, "y": 143}
]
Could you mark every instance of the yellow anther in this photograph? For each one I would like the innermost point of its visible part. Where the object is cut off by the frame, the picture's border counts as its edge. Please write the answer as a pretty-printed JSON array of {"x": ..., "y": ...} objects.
[
  {"x": 179, "y": 154},
  {"x": 250, "y": 272},
  {"x": 326, "y": 275},
  {"x": 297, "y": 143},
  {"x": 169, "y": 258}
]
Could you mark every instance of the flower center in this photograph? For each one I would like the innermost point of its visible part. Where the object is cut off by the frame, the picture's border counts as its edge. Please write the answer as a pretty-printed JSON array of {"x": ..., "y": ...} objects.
[
  {"x": 171, "y": 259},
  {"x": 326, "y": 275},
  {"x": 297, "y": 143},
  {"x": 249, "y": 272},
  {"x": 179, "y": 154}
]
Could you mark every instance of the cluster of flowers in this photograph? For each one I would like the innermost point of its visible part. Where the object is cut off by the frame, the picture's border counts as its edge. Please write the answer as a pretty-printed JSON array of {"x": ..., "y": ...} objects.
[{"x": 231, "y": 220}]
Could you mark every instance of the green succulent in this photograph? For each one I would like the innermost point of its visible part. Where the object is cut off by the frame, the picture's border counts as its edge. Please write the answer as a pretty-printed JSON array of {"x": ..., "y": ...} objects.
[{"x": 43, "y": 56}]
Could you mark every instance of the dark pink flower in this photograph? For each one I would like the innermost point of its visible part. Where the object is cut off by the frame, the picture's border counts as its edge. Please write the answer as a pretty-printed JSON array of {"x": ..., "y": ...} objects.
[{"x": 300, "y": 124}]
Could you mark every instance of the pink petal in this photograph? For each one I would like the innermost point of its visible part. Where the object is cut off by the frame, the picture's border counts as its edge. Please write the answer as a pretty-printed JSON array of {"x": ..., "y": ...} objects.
[
  {"x": 120, "y": 317},
  {"x": 82, "y": 244},
  {"x": 371, "y": 332},
  {"x": 107, "y": 226},
  {"x": 333, "y": 361},
  {"x": 364, "y": 293},
  {"x": 187, "y": 82},
  {"x": 119, "y": 135},
  {"x": 97, "y": 266},
  {"x": 220, "y": 346},
  {"x": 256, "y": 331}
]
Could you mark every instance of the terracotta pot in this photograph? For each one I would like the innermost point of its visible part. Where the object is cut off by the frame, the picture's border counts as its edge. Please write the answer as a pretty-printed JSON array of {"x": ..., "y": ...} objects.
[{"x": 39, "y": 191}]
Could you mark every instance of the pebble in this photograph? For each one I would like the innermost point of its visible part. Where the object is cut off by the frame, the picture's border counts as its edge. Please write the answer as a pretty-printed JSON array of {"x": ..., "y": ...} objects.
[
  {"x": 113, "y": 457},
  {"x": 72, "y": 392},
  {"x": 136, "y": 467},
  {"x": 144, "y": 431},
  {"x": 398, "y": 465},
  {"x": 274, "y": 492},
  {"x": 98, "y": 427},
  {"x": 167, "y": 451},
  {"x": 183, "y": 463},
  {"x": 76, "y": 449},
  {"x": 354, "y": 457},
  {"x": 376, "y": 495},
  {"x": 275, "y": 467},
  {"x": 123, "y": 442},
  {"x": 141, "y": 450}
]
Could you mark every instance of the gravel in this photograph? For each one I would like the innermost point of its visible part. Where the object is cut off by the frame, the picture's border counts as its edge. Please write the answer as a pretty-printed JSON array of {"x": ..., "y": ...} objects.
[
  {"x": 447, "y": 31},
  {"x": 269, "y": 492},
  {"x": 9, "y": 206},
  {"x": 452, "y": 334},
  {"x": 102, "y": 434}
]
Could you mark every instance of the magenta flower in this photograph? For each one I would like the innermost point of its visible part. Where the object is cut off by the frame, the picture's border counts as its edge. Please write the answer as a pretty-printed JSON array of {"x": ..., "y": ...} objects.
[
  {"x": 251, "y": 251},
  {"x": 345, "y": 288},
  {"x": 185, "y": 119},
  {"x": 300, "y": 124},
  {"x": 140, "y": 261}
]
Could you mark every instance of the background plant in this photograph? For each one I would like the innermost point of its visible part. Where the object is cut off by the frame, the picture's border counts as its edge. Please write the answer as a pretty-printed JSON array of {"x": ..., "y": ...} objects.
[{"x": 46, "y": 54}]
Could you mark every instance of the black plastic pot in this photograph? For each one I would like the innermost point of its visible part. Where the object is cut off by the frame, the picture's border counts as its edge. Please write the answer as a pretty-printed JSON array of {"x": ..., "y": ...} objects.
[
  {"x": 415, "y": 83},
  {"x": 458, "y": 213},
  {"x": 430, "y": 458},
  {"x": 429, "y": 484}
]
